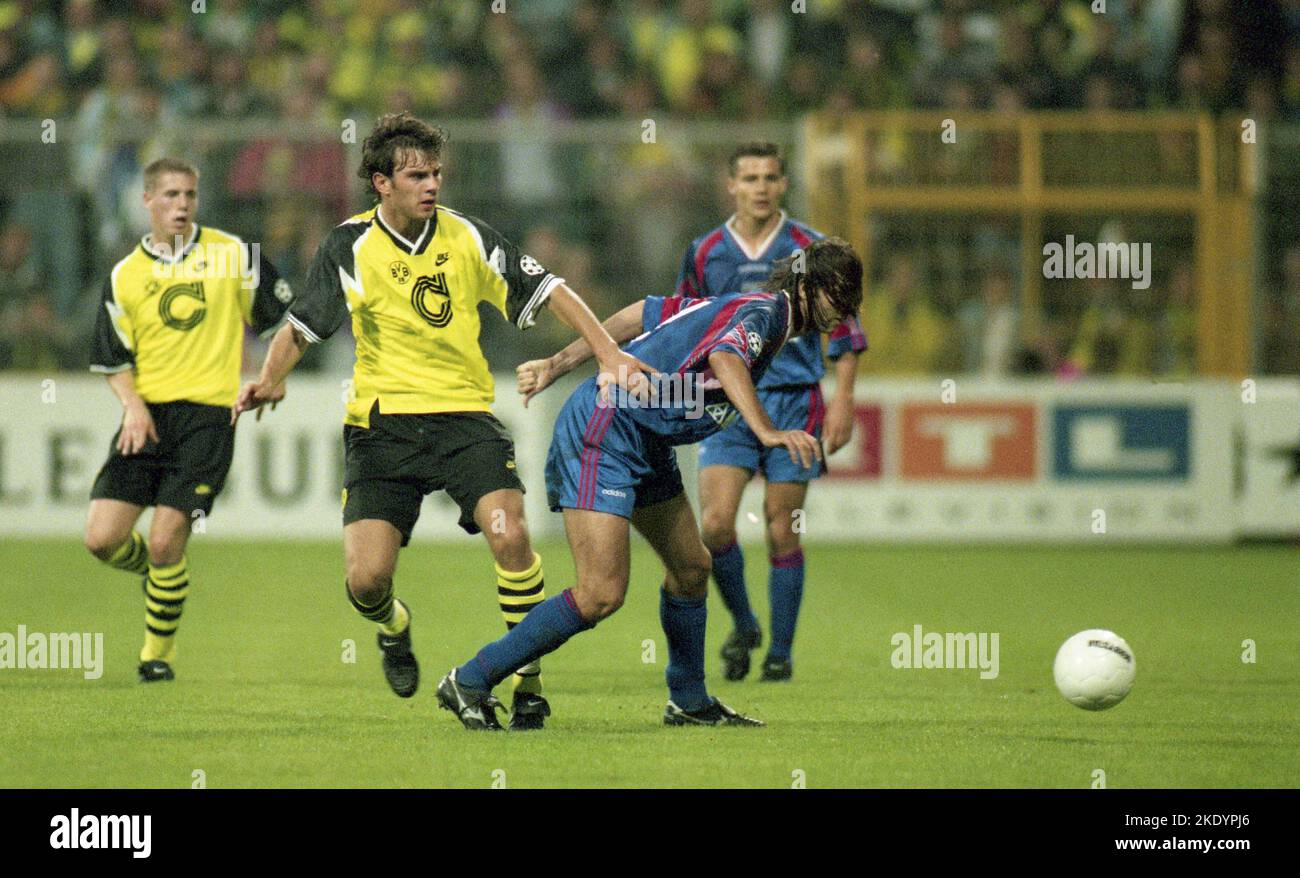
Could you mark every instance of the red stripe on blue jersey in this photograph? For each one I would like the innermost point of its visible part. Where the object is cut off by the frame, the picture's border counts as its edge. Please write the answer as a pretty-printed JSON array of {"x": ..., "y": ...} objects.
[
  {"x": 701, "y": 257},
  {"x": 719, "y": 329}
]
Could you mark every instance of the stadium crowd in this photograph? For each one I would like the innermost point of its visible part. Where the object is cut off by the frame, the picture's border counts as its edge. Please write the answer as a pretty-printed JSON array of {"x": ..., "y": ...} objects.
[{"x": 154, "y": 66}]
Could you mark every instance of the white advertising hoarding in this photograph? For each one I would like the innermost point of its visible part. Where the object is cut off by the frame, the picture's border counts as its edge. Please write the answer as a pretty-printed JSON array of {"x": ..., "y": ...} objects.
[{"x": 929, "y": 461}]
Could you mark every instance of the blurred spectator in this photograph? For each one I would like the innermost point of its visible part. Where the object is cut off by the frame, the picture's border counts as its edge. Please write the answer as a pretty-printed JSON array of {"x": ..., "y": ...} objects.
[
  {"x": 1176, "y": 325},
  {"x": 908, "y": 334},
  {"x": 1110, "y": 338},
  {"x": 1281, "y": 318},
  {"x": 31, "y": 334},
  {"x": 989, "y": 327},
  {"x": 684, "y": 46}
]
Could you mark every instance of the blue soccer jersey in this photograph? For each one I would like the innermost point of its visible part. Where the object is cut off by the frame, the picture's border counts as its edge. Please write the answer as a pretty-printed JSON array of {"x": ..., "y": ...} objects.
[
  {"x": 679, "y": 335},
  {"x": 717, "y": 264},
  {"x": 619, "y": 456}
]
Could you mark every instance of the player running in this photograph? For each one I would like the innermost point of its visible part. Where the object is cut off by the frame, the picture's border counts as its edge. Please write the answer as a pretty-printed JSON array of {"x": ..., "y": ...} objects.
[
  {"x": 411, "y": 273},
  {"x": 737, "y": 257},
  {"x": 170, "y": 339},
  {"x": 613, "y": 461}
]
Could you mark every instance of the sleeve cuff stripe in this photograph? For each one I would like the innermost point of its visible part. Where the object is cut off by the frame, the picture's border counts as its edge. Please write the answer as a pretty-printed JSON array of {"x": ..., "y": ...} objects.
[
  {"x": 109, "y": 370},
  {"x": 305, "y": 330},
  {"x": 544, "y": 290}
]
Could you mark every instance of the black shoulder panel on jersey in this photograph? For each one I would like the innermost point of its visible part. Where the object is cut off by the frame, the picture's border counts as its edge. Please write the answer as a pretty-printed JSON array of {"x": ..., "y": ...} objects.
[
  {"x": 271, "y": 299},
  {"x": 528, "y": 283},
  {"x": 321, "y": 306},
  {"x": 108, "y": 353}
]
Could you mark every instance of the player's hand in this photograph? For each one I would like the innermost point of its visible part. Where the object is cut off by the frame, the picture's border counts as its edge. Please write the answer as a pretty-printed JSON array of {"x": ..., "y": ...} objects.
[
  {"x": 254, "y": 395},
  {"x": 137, "y": 429},
  {"x": 534, "y": 376},
  {"x": 626, "y": 371},
  {"x": 838, "y": 428},
  {"x": 802, "y": 446}
]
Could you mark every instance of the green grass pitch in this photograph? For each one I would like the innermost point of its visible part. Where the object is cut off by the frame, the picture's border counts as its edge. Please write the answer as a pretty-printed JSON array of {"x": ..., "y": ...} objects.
[{"x": 264, "y": 698}]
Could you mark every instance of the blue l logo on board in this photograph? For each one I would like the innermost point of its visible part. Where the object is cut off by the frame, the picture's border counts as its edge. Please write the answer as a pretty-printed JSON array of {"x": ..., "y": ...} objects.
[{"x": 1121, "y": 442}]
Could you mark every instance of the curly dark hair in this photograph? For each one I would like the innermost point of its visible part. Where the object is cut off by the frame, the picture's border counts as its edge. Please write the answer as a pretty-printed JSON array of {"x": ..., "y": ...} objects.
[
  {"x": 830, "y": 265},
  {"x": 395, "y": 137}
]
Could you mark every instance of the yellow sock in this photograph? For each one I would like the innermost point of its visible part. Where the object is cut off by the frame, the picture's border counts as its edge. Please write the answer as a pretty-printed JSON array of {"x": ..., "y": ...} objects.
[
  {"x": 132, "y": 556},
  {"x": 518, "y": 592},
  {"x": 164, "y": 596},
  {"x": 390, "y": 614},
  {"x": 401, "y": 619}
]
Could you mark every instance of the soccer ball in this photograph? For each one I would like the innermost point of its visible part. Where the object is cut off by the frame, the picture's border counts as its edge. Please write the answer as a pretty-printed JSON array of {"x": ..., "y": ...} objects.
[{"x": 1094, "y": 669}]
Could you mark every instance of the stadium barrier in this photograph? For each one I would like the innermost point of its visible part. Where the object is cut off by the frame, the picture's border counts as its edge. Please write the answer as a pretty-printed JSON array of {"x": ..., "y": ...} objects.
[{"x": 1201, "y": 461}]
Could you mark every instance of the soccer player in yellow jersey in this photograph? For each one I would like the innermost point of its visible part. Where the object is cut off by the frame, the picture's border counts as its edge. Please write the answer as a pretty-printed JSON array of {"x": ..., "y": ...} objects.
[
  {"x": 411, "y": 274},
  {"x": 170, "y": 336}
]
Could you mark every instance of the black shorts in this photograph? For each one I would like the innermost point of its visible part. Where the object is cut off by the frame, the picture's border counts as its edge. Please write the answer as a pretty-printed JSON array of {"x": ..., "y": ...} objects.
[
  {"x": 185, "y": 469},
  {"x": 389, "y": 468}
]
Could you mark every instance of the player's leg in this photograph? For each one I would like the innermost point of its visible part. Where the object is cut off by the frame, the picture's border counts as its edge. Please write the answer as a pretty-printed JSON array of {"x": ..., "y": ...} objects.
[
  {"x": 797, "y": 408},
  {"x": 599, "y": 542},
  {"x": 384, "y": 485},
  {"x": 370, "y": 548},
  {"x": 521, "y": 587},
  {"x": 477, "y": 468},
  {"x": 196, "y": 446},
  {"x": 783, "y": 508},
  {"x": 123, "y": 488},
  {"x": 112, "y": 538},
  {"x": 721, "y": 487},
  {"x": 670, "y": 528},
  {"x": 165, "y": 589}
]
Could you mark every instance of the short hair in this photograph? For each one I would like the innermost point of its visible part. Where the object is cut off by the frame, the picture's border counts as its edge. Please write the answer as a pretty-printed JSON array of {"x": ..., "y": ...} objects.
[
  {"x": 394, "y": 136},
  {"x": 167, "y": 165},
  {"x": 755, "y": 149}
]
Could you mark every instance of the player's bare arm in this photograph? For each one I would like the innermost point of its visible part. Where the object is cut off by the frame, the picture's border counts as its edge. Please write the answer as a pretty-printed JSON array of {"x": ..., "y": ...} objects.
[
  {"x": 734, "y": 376},
  {"x": 535, "y": 376},
  {"x": 616, "y": 366},
  {"x": 137, "y": 424},
  {"x": 838, "y": 428},
  {"x": 286, "y": 350}
]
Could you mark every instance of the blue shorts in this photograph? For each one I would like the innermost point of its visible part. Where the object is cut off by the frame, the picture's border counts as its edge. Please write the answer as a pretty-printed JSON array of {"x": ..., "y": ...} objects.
[
  {"x": 601, "y": 459},
  {"x": 790, "y": 408}
]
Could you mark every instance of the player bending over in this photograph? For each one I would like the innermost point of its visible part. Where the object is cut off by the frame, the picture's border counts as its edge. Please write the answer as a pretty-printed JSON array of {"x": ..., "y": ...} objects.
[
  {"x": 170, "y": 339},
  {"x": 613, "y": 462},
  {"x": 737, "y": 257},
  {"x": 412, "y": 273}
]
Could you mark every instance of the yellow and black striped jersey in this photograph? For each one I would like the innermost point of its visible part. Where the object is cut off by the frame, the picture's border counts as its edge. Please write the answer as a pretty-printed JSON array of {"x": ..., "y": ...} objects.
[
  {"x": 414, "y": 307},
  {"x": 179, "y": 321}
]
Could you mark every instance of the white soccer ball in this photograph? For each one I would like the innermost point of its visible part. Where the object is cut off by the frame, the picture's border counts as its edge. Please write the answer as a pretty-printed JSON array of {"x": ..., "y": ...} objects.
[{"x": 1094, "y": 669}]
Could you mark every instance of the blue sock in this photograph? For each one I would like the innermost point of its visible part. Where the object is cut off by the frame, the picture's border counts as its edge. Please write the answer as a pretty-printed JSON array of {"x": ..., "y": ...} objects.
[
  {"x": 683, "y": 620},
  {"x": 785, "y": 590},
  {"x": 729, "y": 573},
  {"x": 543, "y": 630}
]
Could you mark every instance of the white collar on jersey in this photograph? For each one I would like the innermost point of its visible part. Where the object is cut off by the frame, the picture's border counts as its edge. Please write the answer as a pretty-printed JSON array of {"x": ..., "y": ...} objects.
[
  {"x": 763, "y": 245},
  {"x": 147, "y": 243},
  {"x": 413, "y": 246}
]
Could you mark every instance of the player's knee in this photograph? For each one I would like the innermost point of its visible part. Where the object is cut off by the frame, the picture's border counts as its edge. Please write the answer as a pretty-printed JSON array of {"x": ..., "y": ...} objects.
[
  {"x": 604, "y": 606},
  {"x": 782, "y": 537},
  {"x": 165, "y": 548},
  {"x": 369, "y": 582},
  {"x": 599, "y": 602},
  {"x": 511, "y": 546},
  {"x": 100, "y": 544},
  {"x": 692, "y": 574},
  {"x": 718, "y": 531}
]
